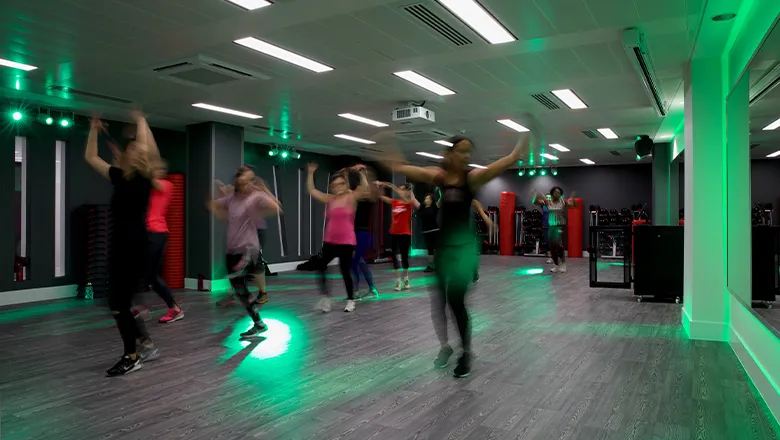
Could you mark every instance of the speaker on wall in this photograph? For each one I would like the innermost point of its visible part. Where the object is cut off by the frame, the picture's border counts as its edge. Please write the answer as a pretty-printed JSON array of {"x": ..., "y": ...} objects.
[{"x": 643, "y": 146}]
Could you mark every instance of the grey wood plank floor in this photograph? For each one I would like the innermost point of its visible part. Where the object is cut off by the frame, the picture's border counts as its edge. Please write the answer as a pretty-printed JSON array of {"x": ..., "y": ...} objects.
[{"x": 555, "y": 360}]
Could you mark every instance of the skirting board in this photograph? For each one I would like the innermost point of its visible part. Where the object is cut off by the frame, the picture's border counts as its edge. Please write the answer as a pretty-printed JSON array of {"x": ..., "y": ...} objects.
[
  {"x": 40, "y": 294},
  {"x": 224, "y": 284},
  {"x": 703, "y": 330},
  {"x": 762, "y": 384}
]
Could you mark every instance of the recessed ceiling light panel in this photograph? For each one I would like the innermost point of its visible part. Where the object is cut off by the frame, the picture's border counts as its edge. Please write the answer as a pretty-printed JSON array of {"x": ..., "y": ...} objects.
[
  {"x": 251, "y": 5},
  {"x": 354, "y": 139},
  {"x": 513, "y": 125},
  {"x": 226, "y": 110},
  {"x": 432, "y": 156},
  {"x": 357, "y": 118},
  {"x": 478, "y": 19},
  {"x": 570, "y": 99},
  {"x": 559, "y": 147},
  {"x": 549, "y": 156},
  {"x": 607, "y": 133},
  {"x": 15, "y": 65},
  {"x": 473, "y": 165},
  {"x": 775, "y": 154},
  {"x": 421, "y": 81},
  {"x": 445, "y": 143},
  {"x": 587, "y": 161},
  {"x": 773, "y": 126},
  {"x": 282, "y": 54}
]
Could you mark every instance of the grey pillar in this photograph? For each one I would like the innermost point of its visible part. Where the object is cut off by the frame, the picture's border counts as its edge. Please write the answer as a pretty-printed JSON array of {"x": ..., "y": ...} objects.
[
  {"x": 215, "y": 152},
  {"x": 661, "y": 184}
]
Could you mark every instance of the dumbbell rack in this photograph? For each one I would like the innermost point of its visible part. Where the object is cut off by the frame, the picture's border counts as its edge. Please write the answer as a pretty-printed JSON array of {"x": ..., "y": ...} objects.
[
  {"x": 525, "y": 233},
  {"x": 594, "y": 221}
]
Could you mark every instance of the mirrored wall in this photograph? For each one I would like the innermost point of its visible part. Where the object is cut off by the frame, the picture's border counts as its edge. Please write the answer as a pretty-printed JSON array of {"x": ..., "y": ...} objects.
[
  {"x": 763, "y": 80},
  {"x": 19, "y": 211}
]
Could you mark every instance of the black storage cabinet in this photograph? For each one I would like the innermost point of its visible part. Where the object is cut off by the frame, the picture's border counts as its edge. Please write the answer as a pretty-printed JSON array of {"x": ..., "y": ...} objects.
[
  {"x": 765, "y": 256},
  {"x": 658, "y": 261}
]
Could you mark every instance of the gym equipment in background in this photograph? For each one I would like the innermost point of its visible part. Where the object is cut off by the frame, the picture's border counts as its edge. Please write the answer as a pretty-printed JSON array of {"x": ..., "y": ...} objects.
[
  {"x": 761, "y": 214},
  {"x": 488, "y": 237},
  {"x": 658, "y": 261},
  {"x": 531, "y": 233},
  {"x": 519, "y": 213},
  {"x": 91, "y": 241},
  {"x": 173, "y": 259},
  {"x": 612, "y": 246},
  {"x": 766, "y": 269},
  {"x": 506, "y": 222}
]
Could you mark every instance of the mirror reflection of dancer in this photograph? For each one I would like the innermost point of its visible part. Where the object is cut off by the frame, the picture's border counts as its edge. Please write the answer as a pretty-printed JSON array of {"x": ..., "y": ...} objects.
[
  {"x": 339, "y": 240},
  {"x": 132, "y": 181},
  {"x": 455, "y": 256},
  {"x": 241, "y": 208},
  {"x": 364, "y": 239},
  {"x": 429, "y": 216},
  {"x": 556, "y": 207},
  {"x": 401, "y": 229},
  {"x": 262, "y": 226},
  {"x": 485, "y": 218}
]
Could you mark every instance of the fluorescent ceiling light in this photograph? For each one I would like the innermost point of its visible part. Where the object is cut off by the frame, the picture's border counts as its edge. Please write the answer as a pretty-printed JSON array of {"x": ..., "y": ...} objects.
[
  {"x": 353, "y": 138},
  {"x": 226, "y": 110},
  {"x": 15, "y": 65},
  {"x": 475, "y": 16},
  {"x": 587, "y": 161},
  {"x": 570, "y": 99},
  {"x": 607, "y": 133},
  {"x": 773, "y": 126},
  {"x": 549, "y": 156},
  {"x": 363, "y": 120},
  {"x": 432, "y": 156},
  {"x": 445, "y": 143},
  {"x": 421, "y": 81},
  {"x": 251, "y": 5},
  {"x": 775, "y": 154},
  {"x": 473, "y": 165},
  {"x": 559, "y": 147},
  {"x": 513, "y": 125},
  {"x": 282, "y": 54}
]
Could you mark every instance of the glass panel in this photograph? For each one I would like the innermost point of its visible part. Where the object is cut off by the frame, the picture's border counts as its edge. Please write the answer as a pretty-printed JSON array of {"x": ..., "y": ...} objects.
[
  {"x": 21, "y": 262},
  {"x": 59, "y": 209}
]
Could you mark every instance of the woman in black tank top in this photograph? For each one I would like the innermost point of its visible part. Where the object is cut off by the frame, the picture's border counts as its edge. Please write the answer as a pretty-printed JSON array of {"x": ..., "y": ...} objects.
[{"x": 455, "y": 257}]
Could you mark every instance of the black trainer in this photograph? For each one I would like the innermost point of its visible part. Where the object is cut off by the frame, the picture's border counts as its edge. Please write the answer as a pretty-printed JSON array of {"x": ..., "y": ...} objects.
[
  {"x": 464, "y": 366},
  {"x": 124, "y": 366},
  {"x": 254, "y": 331},
  {"x": 428, "y": 269},
  {"x": 443, "y": 358}
]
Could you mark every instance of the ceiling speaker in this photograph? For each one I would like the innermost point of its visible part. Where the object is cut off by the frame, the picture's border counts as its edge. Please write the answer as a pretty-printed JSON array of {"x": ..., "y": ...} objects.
[{"x": 643, "y": 146}]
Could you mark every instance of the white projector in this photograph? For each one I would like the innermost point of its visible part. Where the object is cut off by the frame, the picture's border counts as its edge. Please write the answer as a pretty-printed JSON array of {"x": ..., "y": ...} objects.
[{"x": 413, "y": 116}]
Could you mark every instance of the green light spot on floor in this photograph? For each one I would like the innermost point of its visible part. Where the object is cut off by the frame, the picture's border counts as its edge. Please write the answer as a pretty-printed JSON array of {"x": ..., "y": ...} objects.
[{"x": 529, "y": 271}]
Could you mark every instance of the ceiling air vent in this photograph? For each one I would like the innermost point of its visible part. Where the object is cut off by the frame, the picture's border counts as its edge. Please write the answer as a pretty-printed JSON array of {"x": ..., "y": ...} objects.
[
  {"x": 369, "y": 149},
  {"x": 614, "y": 152},
  {"x": 754, "y": 146},
  {"x": 70, "y": 91},
  {"x": 590, "y": 133},
  {"x": 435, "y": 23},
  {"x": 545, "y": 101},
  {"x": 202, "y": 71},
  {"x": 421, "y": 135}
]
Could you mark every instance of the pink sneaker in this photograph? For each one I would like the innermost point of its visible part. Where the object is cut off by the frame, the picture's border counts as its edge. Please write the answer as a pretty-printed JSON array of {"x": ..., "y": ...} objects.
[{"x": 172, "y": 315}]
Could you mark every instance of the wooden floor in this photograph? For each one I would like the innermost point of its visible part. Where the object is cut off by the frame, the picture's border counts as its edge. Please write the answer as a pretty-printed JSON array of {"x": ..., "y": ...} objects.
[{"x": 555, "y": 360}]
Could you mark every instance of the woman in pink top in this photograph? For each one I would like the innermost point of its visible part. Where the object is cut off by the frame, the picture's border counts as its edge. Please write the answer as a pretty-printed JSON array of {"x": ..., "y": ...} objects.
[{"x": 339, "y": 241}]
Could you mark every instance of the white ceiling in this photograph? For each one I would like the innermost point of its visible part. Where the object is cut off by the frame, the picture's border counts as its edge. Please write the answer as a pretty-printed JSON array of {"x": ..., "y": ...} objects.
[{"x": 109, "y": 47}]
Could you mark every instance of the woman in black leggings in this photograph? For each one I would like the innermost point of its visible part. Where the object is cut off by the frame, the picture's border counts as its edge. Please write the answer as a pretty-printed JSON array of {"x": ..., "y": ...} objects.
[
  {"x": 556, "y": 206},
  {"x": 455, "y": 257}
]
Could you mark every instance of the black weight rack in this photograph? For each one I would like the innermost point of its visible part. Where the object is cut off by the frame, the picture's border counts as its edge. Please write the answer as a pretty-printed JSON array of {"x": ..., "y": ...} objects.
[{"x": 92, "y": 230}]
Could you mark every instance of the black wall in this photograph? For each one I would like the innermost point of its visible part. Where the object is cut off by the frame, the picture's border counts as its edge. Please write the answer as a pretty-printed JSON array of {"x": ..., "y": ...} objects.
[
  {"x": 82, "y": 186},
  {"x": 610, "y": 187}
]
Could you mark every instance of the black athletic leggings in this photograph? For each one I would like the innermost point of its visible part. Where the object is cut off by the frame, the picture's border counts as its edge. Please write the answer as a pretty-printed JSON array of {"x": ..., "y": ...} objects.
[
  {"x": 154, "y": 259},
  {"x": 239, "y": 284},
  {"x": 556, "y": 244},
  {"x": 127, "y": 268},
  {"x": 455, "y": 267},
  {"x": 401, "y": 245},
  {"x": 344, "y": 253}
]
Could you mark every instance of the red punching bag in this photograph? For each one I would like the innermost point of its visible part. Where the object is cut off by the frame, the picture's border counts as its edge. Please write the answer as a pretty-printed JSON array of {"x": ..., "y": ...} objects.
[
  {"x": 507, "y": 223},
  {"x": 574, "y": 229}
]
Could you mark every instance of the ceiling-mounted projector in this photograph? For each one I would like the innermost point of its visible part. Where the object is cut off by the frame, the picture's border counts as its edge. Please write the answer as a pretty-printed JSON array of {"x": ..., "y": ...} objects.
[{"x": 415, "y": 115}]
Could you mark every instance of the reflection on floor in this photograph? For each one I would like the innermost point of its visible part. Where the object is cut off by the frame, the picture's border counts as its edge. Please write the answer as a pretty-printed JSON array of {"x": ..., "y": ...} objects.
[{"x": 555, "y": 360}]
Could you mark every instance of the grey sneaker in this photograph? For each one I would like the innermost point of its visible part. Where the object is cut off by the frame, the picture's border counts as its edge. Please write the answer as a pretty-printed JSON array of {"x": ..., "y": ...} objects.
[{"x": 148, "y": 352}]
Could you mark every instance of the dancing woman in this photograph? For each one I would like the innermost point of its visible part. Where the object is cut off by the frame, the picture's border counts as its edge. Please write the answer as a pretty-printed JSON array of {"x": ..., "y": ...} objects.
[
  {"x": 241, "y": 208},
  {"x": 339, "y": 240},
  {"x": 364, "y": 239},
  {"x": 455, "y": 256},
  {"x": 556, "y": 207},
  {"x": 132, "y": 183},
  {"x": 401, "y": 229}
]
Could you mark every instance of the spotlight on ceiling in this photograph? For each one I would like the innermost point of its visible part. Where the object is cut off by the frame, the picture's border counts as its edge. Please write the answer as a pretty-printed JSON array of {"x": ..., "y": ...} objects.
[
  {"x": 554, "y": 171},
  {"x": 532, "y": 172},
  {"x": 521, "y": 172},
  {"x": 543, "y": 172}
]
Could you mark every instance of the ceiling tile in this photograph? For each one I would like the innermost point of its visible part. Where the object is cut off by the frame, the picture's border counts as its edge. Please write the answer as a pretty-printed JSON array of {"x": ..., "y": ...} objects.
[
  {"x": 567, "y": 16},
  {"x": 395, "y": 23},
  {"x": 613, "y": 13},
  {"x": 534, "y": 67},
  {"x": 660, "y": 9},
  {"x": 505, "y": 71},
  {"x": 566, "y": 63},
  {"x": 599, "y": 59},
  {"x": 522, "y": 18}
]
